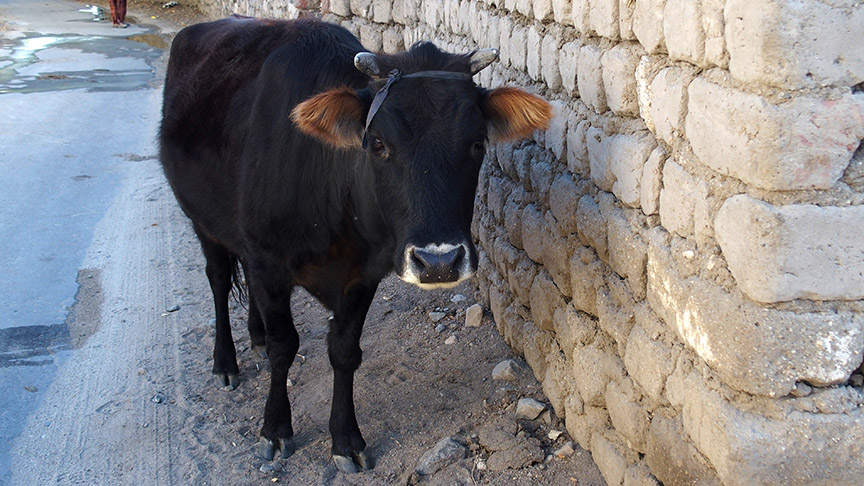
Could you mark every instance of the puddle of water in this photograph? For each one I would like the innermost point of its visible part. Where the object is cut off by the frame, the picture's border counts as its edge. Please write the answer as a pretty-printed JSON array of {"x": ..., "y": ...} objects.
[
  {"x": 151, "y": 40},
  {"x": 20, "y": 71}
]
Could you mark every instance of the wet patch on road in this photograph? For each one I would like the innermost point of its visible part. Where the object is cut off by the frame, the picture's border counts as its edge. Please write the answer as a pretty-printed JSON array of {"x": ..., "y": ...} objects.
[
  {"x": 32, "y": 345},
  {"x": 37, "y": 345},
  {"x": 116, "y": 64}
]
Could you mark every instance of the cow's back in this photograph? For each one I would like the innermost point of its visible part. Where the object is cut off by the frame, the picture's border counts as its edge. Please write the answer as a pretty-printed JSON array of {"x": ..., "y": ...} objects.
[{"x": 226, "y": 82}]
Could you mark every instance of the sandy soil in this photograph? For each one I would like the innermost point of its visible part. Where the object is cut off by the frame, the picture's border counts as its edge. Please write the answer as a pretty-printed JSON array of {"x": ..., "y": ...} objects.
[{"x": 142, "y": 409}]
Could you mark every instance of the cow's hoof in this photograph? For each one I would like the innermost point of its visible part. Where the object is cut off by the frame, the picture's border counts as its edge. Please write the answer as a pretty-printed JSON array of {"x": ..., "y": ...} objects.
[
  {"x": 260, "y": 351},
  {"x": 355, "y": 464},
  {"x": 226, "y": 381},
  {"x": 267, "y": 448}
]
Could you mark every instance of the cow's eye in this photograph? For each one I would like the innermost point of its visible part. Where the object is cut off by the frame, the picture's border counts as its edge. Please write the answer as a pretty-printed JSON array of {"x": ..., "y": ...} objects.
[
  {"x": 378, "y": 148},
  {"x": 478, "y": 148}
]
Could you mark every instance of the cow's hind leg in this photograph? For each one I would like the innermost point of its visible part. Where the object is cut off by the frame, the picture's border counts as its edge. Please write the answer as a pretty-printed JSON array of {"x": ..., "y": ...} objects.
[
  {"x": 272, "y": 297},
  {"x": 343, "y": 347},
  {"x": 255, "y": 323},
  {"x": 220, "y": 267}
]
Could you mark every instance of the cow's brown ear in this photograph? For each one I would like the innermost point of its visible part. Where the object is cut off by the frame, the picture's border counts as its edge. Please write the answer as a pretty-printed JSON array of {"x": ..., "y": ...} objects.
[
  {"x": 334, "y": 116},
  {"x": 513, "y": 113}
]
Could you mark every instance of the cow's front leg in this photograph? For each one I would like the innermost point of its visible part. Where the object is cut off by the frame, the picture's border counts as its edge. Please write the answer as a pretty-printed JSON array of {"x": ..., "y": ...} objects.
[
  {"x": 343, "y": 347},
  {"x": 272, "y": 296}
]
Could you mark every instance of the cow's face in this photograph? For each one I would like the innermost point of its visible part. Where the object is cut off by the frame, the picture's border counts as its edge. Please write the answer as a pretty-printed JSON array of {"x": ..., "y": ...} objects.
[{"x": 425, "y": 143}]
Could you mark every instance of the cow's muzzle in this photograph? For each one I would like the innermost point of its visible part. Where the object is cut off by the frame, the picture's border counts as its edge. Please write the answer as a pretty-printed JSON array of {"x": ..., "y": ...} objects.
[{"x": 437, "y": 266}]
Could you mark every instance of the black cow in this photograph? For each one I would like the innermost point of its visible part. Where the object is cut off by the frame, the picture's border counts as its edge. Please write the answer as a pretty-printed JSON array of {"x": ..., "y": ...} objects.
[{"x": 269, "y": 145}]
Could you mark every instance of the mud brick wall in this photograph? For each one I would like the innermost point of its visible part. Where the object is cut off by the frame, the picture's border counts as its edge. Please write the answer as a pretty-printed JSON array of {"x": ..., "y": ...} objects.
[{"x": 680, "y": 257}]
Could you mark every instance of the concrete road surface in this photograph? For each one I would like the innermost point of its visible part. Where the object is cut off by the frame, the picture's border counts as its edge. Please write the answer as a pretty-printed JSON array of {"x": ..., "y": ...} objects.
[{"x": 82, "y": 199}]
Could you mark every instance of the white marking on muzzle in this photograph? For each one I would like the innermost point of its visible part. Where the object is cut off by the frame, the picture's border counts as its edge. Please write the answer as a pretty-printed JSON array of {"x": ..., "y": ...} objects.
[{"x": 411, "y": 271}]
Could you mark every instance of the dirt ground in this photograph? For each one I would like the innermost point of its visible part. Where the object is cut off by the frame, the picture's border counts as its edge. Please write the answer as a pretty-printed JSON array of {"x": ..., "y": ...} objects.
[{"x": 417, "y": 385}]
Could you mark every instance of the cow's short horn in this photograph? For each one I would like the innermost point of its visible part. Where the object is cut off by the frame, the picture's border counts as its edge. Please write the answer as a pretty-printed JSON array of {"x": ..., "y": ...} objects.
[
  {"x": 482, "y": 58},
  {"x": 367, "y": 63}
]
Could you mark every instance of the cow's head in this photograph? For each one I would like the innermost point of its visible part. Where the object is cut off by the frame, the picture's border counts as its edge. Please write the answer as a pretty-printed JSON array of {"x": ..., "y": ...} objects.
[{"x": 424, "y": 126}]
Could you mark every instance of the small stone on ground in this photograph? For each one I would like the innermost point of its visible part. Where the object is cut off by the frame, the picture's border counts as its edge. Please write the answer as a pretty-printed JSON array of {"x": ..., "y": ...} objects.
[
  {"x": 529, "y": 409},
  {"x": 446, "y": 452},
  {"x": 507, "y": 370},
  {"x": 474, "y": 316}
]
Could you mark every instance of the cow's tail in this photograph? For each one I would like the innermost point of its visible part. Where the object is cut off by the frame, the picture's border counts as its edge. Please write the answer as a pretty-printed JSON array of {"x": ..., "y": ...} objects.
[{"x": 239, "y": 287}]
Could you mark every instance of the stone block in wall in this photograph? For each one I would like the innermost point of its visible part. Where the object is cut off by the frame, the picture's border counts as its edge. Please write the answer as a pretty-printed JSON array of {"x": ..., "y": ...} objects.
[
  {"x": 627, "y": 155},
  {"x": 361, "y": 8},
  {"x": 793, "y": 44},
  {"x": 524, "y": 7},
  {"x": 403, "y": 12},
  {"x": 532, "y": 232},
  {"x": 432, "y": 14},
  {"x": 381, "y": 11},
  {"x": 549, "y": 62},
  {"x": 629, "y": 416},
  {"x": 790, "y": 447},
  {"x": 680, "y": 199},
  {"x": 568, "y": 65},
  {"x": 556, "y": 255},
  {"x": 537, "y": 345},
  {"x": 594, "y": 366},
  {"x": 371, "y": 37},
  {"x": 579, "y": 13},
  {"x": 619, "y": 80},
  {"x": 393, "y": 41},
  {"x": 556, "y": 383},
  {"x": 341, "y": 8},
  {"x": 476, "y": 23},
  {"x": 564, "y": 196},
  {"x": 573, "y": 328},
  {"x": 541, "y": 174},
  {"x": 648, "y": 25},
  {"x": 577, "y": 147},
  {"x": 505, "y": 31},
  {"x": 533, "y": 51},
  {"x": 752, "y": 348},
  {"x": 625, "y": 19},
  {"x": 673, "y": 459},
  {"x": 639, "y": 475},
  {"x": 590, "y": 78},
  {"x": 611, "y": 456},
  {"x": 518, "y": 48},
  {"x": 714, "y": 26},
  {"x": 649, "y": 361},
  {"x": 498, "y": 189},
  {"x": 598, "y": 158},
  {"x": 803, "y": 143},
  {"x": 614, "y": 320},
  {"x": 584, "y": 426},
  {"x": 513, "y": 216},
  {"x": 353, "y": 27},
  {"x": 668, "y": 108},
  {"x": 562, "y": 12},
  {"x": 798, "y": 251},
  {"x": 651, "y": 183},
  {"x": 542, "y": 9},
  {"x": 628, "y": 253},
  {"x": 556, "y": 134},
  {"x": 586, "y": 277},
  {"x": 682, "y": 29},
  {"x": 522, "y": 160},
  {"x": 603, "y": 17},
  {"x": 521, "y": 277},
  {"x": 591, "y": 226},
  {"x": 545, "y": 298}
]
